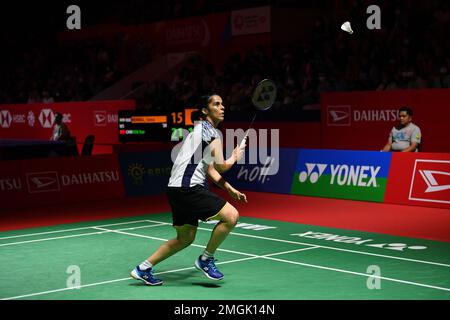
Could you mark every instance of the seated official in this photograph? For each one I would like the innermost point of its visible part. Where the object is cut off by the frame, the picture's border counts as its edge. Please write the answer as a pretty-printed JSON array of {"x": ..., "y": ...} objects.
[
  {"x": 60, "y": 130},
  {"x": 406, "y": 136}
]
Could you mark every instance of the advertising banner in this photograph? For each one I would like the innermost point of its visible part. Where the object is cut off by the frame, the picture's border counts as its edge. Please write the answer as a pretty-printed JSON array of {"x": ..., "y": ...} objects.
[
  {"x": 35, "y": 121},
  {"x": 421, "y": 179},
  {"x": 257, "y": 177},
  {"x": 363, "y": 120},
  {"x": 27, "y": 183},
  {"x": 145, "y": 173},
  {"x": 250, "y": 21},
  {"x": 356, "y": 175}
]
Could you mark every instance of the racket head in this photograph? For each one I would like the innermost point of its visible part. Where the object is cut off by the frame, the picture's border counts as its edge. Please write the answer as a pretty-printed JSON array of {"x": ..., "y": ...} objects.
[{"x": 264, "y": 94}]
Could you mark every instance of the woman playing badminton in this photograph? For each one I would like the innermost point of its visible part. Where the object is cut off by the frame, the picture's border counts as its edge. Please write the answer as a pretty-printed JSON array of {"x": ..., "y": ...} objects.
[{"x": 201, "y": 155}]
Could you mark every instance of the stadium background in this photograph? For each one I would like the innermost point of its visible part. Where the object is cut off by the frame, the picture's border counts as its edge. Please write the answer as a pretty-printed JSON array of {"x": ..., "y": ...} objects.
[{"x": 159, "y": 57}]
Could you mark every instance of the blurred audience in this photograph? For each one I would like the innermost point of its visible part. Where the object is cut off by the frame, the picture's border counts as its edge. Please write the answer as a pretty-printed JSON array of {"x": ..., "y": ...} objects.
[{"x": 327, "y": 60}]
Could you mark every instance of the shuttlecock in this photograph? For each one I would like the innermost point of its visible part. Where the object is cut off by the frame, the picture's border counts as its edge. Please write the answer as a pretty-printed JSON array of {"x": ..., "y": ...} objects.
[{"x": 347, "y": 27}]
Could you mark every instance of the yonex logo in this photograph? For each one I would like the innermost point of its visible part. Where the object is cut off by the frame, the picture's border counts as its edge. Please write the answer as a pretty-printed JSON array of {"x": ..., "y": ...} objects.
[
  {"x": 430, "y": 181},
  {"x": 43, "y": 182},
  {"x": 342, "y": 174},
  {"x": 358, "y": 241},
  {"x": 46, "y": 118},
  {"x": 313, "y": 176},
  {"x": 246, "y": 226},
  {"x": 339, "y": 115},
  {"x": 5, "y": 119}
]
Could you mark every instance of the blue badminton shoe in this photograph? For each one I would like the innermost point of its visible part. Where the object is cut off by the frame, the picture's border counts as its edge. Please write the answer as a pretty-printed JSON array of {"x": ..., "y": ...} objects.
[
  {"x": 146, "y": 276},
  {"x": 209, "y": 269}
]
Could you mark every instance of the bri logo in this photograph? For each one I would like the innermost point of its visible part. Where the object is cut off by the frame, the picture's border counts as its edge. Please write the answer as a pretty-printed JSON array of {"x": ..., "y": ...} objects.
[{"x": 342, "y": 174}]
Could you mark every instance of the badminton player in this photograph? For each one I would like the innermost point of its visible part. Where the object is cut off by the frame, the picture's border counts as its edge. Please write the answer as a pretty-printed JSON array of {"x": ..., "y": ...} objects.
[{"x": 200, "y": 156}]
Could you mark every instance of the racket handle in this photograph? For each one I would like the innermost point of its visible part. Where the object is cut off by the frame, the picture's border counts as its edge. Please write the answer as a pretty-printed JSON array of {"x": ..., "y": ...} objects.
[{"x": 242, "y": 145}]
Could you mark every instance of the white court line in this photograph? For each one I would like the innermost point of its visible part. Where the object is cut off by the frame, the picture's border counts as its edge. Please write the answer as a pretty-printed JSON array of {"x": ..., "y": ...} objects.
[
  {"x": 359, "y": 274},
  {"x": 323, "y": 247},
  {"x": 161, "y": 223},
  {"x": 338, "y": 249},
  {"x": 157, "y": 273},
  {"x": 304, "y": 264},
  {"x": 75, "y": 229},
  {"x": 77, "y": 235}
]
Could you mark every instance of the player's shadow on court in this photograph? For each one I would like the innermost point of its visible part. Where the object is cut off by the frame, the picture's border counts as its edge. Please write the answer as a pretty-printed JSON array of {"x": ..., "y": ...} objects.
[
  {"x": 187, "y": 276},
  {"x": 184, "y": 278},
  {"x": 206, "y": 284}
]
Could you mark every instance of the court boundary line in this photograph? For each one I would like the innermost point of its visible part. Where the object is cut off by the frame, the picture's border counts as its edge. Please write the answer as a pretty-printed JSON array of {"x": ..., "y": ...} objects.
[
  {"x": 311, "y": 265},
  {"x": 252, "y": 257},
  {"x": 73, "y": 229},
  {"x": 325, "y": 247},
  {"x": 162, "y": 223},
  {"x": 77, "y": 235},
  {"x": 249, "y": 256}
]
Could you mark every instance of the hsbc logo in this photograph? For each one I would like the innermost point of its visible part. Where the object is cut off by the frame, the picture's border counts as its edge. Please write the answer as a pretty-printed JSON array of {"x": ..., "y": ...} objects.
[
  {"x": 5, "y": 119},
  {"x": 339, "y": 116},
  {"x": 46, "y": 118},
  {"x": 43, "y": 182},
  {"x": 31, "y": 118},
  {"x": 100, "y": 118},
  {"x": 430, "y": 181}
]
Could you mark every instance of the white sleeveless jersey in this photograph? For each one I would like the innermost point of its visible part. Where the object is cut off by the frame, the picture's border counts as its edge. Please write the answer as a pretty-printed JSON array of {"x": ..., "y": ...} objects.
[{"x": 191, "y": 165}]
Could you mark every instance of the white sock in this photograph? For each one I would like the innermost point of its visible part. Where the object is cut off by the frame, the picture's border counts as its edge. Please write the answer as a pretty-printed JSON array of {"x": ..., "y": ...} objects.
[
  {"x": 145, "y": 265},
  {"x": 206, "y": 255}
]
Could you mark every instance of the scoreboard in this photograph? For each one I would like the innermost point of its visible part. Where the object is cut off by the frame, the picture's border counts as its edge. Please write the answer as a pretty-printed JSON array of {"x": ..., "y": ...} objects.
[{"x": 142, "y": 126}]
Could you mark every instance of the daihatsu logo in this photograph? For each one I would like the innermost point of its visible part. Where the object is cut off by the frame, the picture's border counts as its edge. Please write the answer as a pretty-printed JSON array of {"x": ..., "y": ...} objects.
[
  {"x": 430, "y": 180},
  {"x": 339, "y": 115},
  {"x": 100, "y": 118},
  {"x": 43, "y": 182}
]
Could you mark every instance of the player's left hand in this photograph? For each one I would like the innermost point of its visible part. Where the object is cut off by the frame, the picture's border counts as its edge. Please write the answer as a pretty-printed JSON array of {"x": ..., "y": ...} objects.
[{"x": 237, "y": 195}]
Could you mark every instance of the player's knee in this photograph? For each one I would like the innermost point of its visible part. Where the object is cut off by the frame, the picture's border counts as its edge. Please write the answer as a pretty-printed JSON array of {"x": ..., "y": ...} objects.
[
  {"x": 233, "y": 216},
  {"x": 186, "y": 240}
]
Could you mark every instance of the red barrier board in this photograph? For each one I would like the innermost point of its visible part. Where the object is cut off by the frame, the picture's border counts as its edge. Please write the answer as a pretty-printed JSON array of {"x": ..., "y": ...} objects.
[
  {"x": 27, "y": 183},
  {"x": 363, "y": 120},
  {"x": 421, "y": 179},
  {"x": 35, "y": 121}
]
